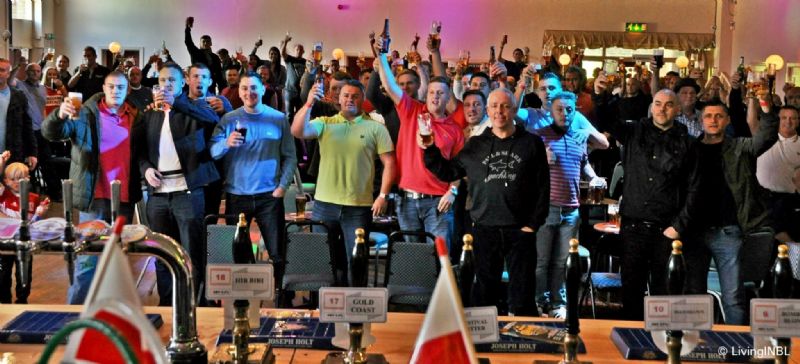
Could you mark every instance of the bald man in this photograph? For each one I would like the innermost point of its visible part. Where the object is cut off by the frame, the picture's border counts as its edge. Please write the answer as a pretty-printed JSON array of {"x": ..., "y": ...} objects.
[
  {"x": 660, "y": 189},
  {"x": 511, "y": 196},
  {"x": 139, "y": 95}
]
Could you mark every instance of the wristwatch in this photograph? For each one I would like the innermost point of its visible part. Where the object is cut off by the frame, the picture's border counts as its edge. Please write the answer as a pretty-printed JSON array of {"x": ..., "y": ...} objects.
[{"x": 454, "y": 190}]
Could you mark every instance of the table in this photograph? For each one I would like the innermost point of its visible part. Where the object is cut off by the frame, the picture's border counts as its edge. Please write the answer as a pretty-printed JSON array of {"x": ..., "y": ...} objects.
[
  {"x": 395, "y": 339},
  {"x": 607, "y": 228}
]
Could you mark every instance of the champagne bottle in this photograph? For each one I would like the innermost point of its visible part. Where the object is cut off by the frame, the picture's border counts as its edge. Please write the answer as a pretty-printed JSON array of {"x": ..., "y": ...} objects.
[
  {"x": 385, "y": 39},
  {"x": 242, "y": 246},
  {"x": 359, "y": 265},
  {"x": 466, "y": 271}
]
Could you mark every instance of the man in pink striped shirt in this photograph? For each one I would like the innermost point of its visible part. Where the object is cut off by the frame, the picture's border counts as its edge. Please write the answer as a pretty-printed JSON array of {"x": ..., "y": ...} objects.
[{"x": 567, "y": 157}]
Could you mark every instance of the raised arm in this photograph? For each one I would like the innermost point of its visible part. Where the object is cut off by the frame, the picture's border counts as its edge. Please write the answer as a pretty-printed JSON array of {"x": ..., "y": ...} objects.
[
  {"x": 437, "y": 67},
  {"x": 301, "y": 126},
  {"x": 389, "y": 83}
]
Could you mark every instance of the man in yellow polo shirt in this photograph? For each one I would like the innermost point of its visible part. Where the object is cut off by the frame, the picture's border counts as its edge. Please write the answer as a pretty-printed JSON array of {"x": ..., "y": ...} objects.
[{"x": 348, "y": 142}]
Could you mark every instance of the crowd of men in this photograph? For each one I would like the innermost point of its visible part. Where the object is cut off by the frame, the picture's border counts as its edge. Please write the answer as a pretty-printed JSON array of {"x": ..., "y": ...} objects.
[{"x": 498, "y": 150}]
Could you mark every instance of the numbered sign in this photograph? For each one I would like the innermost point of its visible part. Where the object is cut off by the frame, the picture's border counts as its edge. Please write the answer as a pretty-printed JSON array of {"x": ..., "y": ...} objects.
[
  {"x": 482, "y": 323},
  {"x": 354, "y": 305},
  {"x": 775, "y": 317},
  {"x": 240, "y": 281},
  {"x": 690, "y": 312}
]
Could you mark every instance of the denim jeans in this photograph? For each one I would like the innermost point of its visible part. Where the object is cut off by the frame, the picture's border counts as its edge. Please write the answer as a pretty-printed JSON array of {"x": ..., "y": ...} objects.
[
  {"x": 86, "y": 265},
  {"x": 552, "y": 248},
  {"x": 343, "y": 222},
  {"x": 180, "y": 216},
  {"x": 495, "y": 247},
  {"x": 725, "y": 243},
  {"x": 268, "y": 212},
  {"x": 423, "y": 215}
]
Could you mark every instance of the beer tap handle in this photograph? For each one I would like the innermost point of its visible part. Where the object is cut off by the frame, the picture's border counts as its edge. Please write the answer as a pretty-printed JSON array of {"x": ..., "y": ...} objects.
[
  {"x": 24, "y": 190},
  {"x": 115, "y": 199},
  {"x": 68, "y": 244},
  {"x": 573, "y": 284},
  {"x": 676, "y": 276},
  {"x": 23, "y": 244}
]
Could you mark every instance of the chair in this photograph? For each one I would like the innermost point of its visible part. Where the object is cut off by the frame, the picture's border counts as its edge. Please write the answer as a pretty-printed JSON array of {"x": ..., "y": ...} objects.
[
  {"x": 610, "y": 280},
  {"x": 218, "y": 239},
  {"x": 411, "y": 269},
  {"x": 307, "y": 258}
]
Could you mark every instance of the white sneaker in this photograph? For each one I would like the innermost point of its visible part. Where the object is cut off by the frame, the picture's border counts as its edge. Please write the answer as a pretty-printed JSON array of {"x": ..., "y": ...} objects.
[{"x": 559, "y": 313}]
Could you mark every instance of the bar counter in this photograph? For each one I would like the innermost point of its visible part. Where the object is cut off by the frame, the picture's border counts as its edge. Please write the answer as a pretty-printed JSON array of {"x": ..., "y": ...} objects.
[{"x": 395, "y": 339}]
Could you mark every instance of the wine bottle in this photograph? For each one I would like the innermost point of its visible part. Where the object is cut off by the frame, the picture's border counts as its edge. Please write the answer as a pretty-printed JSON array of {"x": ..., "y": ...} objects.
[{"x": 242, "y": 246}]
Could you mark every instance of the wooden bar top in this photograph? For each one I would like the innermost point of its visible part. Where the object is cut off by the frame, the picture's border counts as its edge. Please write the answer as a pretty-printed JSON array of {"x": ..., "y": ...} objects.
[{"x": 395, "y": 339}]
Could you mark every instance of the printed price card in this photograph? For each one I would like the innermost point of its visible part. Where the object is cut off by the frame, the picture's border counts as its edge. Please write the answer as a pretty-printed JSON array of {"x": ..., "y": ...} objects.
[
  {"x": 240, "y": 281},
  {"x": 690, "y": 312},
  {"x": 353, "y": 304}
]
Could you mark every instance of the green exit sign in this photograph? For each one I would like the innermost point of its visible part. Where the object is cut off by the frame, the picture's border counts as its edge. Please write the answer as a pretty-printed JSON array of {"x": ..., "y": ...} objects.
[{"x": 635, "y": 27}]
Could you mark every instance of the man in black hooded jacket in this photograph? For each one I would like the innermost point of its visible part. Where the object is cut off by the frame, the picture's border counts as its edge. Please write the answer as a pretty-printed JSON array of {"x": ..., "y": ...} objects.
[{"x": 510, "y": 191}]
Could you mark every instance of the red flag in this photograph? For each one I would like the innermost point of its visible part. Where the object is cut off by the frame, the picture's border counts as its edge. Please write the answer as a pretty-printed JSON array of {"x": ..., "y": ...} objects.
[
  {"x": 444, "y": 337},
  {"x": 114, "y": 300}
]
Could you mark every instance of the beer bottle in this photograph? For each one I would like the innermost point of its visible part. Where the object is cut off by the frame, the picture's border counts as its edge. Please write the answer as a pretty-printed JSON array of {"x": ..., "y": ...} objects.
[
  {"x": 242, "y": 246},
  {"x": 466, "y": 271},
  {"x": 385, "y": 39},
  {"x": 741, "y": 69},
  {"x": 359, "y": 265},
  {"x": 492, "y": 57}
]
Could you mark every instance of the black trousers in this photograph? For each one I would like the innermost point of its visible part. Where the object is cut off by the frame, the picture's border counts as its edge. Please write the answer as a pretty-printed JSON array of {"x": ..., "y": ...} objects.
[
  {"x": 645, "y": 258},
  {"x": 495, "y": 247}
]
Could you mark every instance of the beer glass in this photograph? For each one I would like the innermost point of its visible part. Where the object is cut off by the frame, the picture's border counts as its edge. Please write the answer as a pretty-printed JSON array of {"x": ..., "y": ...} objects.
[
  {"x": 425, "y": 131},
  {"x": 76, "y": 98}
]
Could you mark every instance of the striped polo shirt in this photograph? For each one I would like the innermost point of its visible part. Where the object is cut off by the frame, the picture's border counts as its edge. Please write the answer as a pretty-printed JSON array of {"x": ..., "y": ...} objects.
[{"x": 566, "y": 158}]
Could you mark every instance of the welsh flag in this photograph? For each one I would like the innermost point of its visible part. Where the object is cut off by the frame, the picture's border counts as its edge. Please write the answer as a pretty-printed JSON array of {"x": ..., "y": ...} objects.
[
  {"x": 444, "y": 337},
  {"x": 113, "y": 299}
]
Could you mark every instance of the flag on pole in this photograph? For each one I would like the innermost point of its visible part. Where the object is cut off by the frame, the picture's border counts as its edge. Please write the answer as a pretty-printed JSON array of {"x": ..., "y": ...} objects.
[
  {"x": 444, "y": 337},
  {"x": 114, "y": 300}
]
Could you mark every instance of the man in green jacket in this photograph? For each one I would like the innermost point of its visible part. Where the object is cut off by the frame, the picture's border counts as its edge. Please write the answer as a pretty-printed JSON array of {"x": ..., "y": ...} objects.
[
  {"x": 101, "y": 133},
  {"x": 732, "y": 203}
]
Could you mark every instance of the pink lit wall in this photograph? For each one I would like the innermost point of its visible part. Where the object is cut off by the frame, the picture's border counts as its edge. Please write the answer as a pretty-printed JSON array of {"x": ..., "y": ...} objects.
[
  {"x": 467, "y": 24},
  {"x": 765, "y": 27}
]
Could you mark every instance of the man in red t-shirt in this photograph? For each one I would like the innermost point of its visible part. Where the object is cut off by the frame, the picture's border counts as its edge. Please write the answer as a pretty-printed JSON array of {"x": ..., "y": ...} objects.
[{"x": 425, "y": 201}]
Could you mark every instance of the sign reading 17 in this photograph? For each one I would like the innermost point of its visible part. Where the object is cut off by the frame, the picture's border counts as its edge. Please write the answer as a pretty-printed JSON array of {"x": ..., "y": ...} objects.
[{"x": 333, "y": 300}]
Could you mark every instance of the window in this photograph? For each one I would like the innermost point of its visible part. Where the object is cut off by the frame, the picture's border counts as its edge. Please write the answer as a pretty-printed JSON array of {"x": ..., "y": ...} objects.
[
  {"x": 22, "y": 9},
  {"x": 596, "y": 57}
]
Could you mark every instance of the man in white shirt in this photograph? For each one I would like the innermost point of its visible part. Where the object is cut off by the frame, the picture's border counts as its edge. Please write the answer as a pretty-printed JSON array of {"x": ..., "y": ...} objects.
[
  {"x": 175, "y": 160},
  {"x": 778, "y": 170}
]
